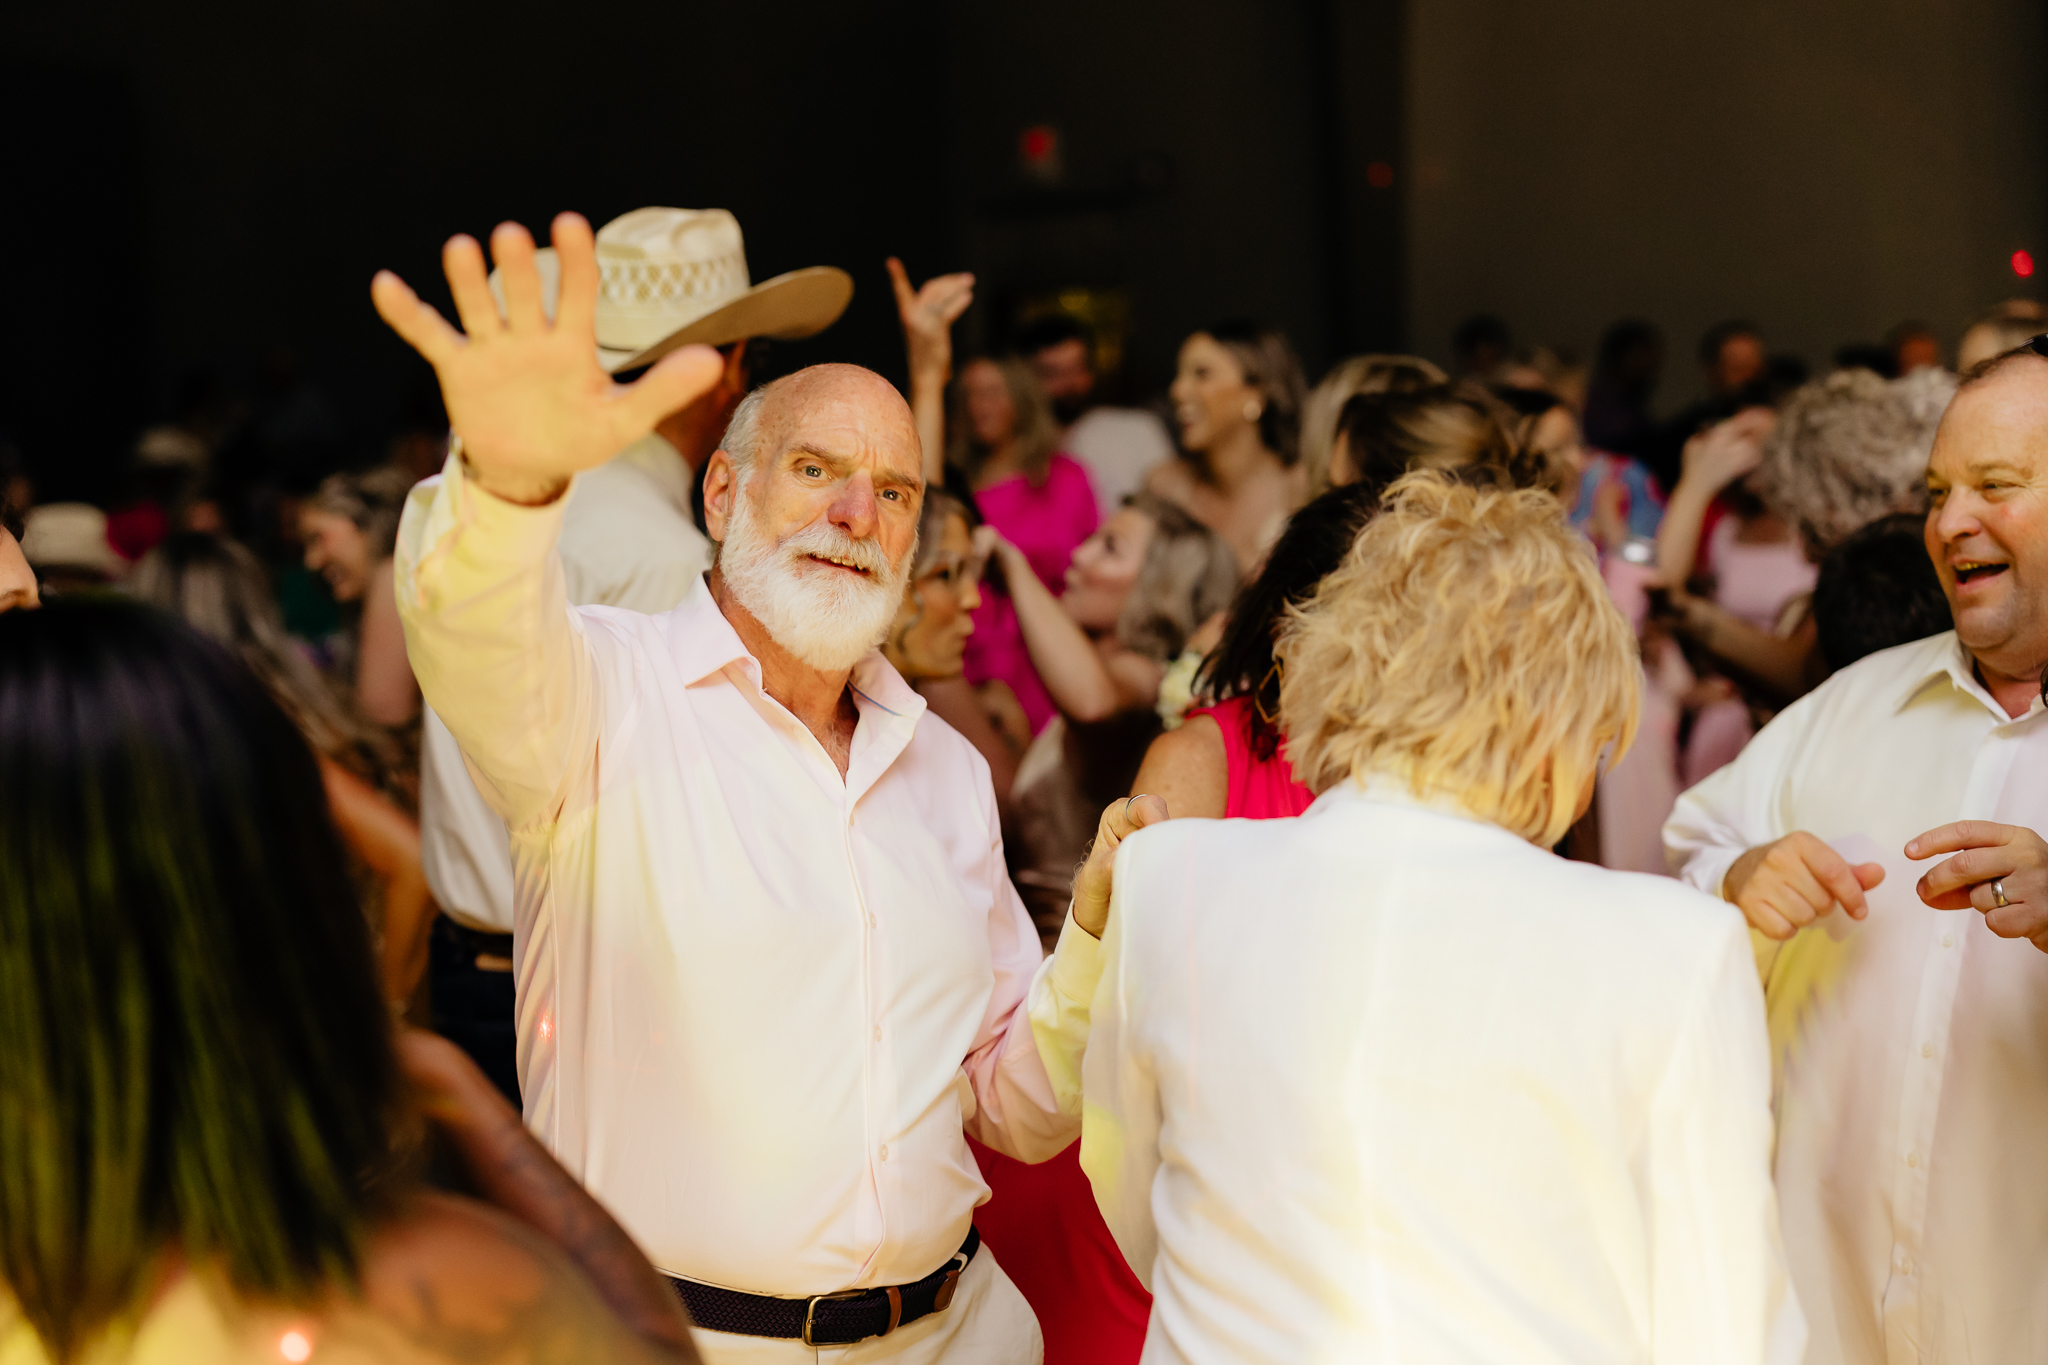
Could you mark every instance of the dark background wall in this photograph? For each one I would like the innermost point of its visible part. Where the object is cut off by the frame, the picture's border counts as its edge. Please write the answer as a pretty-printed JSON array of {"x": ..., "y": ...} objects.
[
  {"x": 1828, "y": 168},
  {"x": 209, "y": 186}
]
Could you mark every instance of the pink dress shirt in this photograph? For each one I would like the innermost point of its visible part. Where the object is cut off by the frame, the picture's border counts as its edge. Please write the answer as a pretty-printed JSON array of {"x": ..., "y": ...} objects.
[
  {"x": 1047, "y": 521},
  {"x": 757, "y": 1002}
]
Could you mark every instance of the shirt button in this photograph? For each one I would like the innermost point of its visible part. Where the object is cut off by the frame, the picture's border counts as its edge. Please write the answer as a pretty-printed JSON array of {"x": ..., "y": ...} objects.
[
  {"x": 878, "y": 1033},
  {"x": 1926, "y": 1049},
  {"x": 1905, "y": 1265},
  {"x": 885, "y": 1151},
  {"x": 1913, "y": 1159},
  {"x": 1948, "y": 940}
]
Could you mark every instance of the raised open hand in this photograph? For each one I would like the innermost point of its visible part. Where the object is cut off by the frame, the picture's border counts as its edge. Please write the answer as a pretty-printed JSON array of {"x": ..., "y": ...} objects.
[
  {"x": 1728, "y": 450},
  {"x": 528, "y": 397},
  {"x": 928, "y": 314}
]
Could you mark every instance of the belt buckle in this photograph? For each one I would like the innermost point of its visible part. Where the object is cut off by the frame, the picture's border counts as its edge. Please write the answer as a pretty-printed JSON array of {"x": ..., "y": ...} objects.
[{"x": 811, "y": 1308}]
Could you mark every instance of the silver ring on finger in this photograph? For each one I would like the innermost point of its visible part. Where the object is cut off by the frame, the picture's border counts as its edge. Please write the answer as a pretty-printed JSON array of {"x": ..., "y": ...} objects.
[{"x": 1998, "y": 900}]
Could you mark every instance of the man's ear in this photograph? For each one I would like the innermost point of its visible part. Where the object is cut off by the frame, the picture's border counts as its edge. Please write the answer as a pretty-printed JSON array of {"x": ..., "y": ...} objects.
[
  {"x": 721, "y": 486},
  {"x": 735, "y": 380}
]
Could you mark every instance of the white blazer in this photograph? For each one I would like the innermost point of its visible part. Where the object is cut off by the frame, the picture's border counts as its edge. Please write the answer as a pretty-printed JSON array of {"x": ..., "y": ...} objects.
[{"x": 1388, "y": 1083}]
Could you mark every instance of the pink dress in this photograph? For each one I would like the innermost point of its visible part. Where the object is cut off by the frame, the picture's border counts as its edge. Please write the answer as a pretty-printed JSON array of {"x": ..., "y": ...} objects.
[
  {"x": 1047, "y": 521},
  {"x": 1260, "y": 788},
  {"x": 1754, "y": 582}
]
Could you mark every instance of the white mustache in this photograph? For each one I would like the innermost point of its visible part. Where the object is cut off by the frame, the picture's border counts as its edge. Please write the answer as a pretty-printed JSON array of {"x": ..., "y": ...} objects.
[{"x": 829, "y": 542}]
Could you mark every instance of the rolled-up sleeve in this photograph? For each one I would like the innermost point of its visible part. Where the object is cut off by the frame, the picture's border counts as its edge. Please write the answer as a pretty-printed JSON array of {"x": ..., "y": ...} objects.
[
  {"x": 499, "y": 655},
  {"x": 1720, "y": 1290}
]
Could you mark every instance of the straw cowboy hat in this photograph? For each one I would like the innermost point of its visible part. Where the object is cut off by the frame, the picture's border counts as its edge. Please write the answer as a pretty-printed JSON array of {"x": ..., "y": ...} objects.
[
  {"x": 70, "y": 535},
  {"x": 674, "y": 277}
]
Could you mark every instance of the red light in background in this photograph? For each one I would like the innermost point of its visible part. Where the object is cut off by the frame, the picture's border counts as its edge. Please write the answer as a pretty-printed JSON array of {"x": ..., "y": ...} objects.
[
  {"x": 1379, "y": 175},
  {"x": 1038, "y": 143},
  {"x": 2022, "y": 263}
]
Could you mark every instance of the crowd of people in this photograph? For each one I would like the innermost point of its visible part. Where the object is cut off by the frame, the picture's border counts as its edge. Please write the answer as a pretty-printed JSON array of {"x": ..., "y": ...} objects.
[{"x": 641, "y": 872}]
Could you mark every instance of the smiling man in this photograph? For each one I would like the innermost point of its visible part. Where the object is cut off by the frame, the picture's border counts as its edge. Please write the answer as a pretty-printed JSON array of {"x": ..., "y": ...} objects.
[
  {"x": 1912, "y": 1040},
  {"x": 771, "y": 961}
]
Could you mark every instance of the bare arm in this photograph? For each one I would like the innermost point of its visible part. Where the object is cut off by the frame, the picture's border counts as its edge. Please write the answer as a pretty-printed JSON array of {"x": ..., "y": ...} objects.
[
  {"x": 514, "y": 1172},
  {"x": 388, "y": 842},
  {"x": 1785, "y": 665},
  {"x": 928, "y": 315},
  {"x": 385, "y": 687},
  {"x": 1714, "y": 459},
  {"x": 1086, "y": 683},
  {"x": 1189, "y": 768}
]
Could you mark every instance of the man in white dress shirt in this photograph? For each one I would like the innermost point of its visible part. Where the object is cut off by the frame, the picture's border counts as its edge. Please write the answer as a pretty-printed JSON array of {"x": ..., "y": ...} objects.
[
  {"x": 772, "y": 962},
  {"x": 666, "y": 278},
  {"x": 1911, "y": 1042}
]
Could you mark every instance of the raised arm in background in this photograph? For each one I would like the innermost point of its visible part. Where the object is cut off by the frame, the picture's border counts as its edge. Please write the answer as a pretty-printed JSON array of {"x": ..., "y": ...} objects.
[
  {"x": 928, "y": 314},
  {"x": 496, "y": 649},
  {"x": 1089, "y": 681},
  {"x": 1714, "y": 459}
]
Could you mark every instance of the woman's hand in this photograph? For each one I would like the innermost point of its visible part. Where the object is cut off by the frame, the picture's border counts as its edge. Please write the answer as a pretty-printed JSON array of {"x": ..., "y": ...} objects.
[
  {"x": 1120, "y": 820},
  {"x": 526, "y": 395},
  {"x": 1992, "y": 863},
  {"x": 1728, "y": 450}
]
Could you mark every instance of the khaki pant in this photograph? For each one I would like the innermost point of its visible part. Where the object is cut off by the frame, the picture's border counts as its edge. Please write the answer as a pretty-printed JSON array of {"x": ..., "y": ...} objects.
[{"x": 988, "y": 1323}]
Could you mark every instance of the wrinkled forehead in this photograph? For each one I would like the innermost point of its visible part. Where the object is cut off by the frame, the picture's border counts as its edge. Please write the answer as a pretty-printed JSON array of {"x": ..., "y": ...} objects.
[
  {"x": 853, "y": 415},
  {"x": 2001, "y": 419}
]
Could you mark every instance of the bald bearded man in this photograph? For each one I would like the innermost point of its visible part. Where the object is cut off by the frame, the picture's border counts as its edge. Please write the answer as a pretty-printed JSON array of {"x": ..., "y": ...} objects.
[{"x": 772, "y": 964}]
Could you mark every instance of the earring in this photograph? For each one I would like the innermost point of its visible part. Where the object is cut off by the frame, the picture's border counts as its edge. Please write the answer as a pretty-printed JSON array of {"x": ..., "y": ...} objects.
[{"x": 1253, "y": 409}]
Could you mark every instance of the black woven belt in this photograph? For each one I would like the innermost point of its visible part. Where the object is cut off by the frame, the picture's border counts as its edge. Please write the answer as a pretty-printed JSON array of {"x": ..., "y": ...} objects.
[{"x": 826, "y": 1319}]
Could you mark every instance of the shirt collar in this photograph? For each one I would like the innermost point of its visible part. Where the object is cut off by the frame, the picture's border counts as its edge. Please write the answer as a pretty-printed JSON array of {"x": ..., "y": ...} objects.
[
  {"x": 706, "y": 644},
  {"x": 1946, "y": 658}
]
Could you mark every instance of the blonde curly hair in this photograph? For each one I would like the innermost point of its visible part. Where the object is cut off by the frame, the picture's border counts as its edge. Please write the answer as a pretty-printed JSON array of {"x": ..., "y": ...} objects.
[{"x": 1467, "y": 647}]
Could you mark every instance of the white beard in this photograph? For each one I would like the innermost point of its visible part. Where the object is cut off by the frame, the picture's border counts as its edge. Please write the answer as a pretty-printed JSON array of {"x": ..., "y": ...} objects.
[{"x": 826, "y": 618}]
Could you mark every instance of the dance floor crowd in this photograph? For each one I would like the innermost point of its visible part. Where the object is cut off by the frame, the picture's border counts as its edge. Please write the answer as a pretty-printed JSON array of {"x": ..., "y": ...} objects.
[{"x": 688, "y": 858}]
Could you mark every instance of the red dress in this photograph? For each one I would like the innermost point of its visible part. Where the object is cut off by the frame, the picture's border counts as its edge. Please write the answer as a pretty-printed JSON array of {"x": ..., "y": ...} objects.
[
  {"x": 1041, "y": 1221},
  {"x": 1260, "y": 788}
]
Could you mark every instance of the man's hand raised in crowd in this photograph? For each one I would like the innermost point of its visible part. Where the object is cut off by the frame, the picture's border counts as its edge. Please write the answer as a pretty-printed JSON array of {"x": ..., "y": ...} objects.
[
  {"x": 1993, "y": 864},
  {"x": 928, "y": 314},
  {"x": 528, "y": 397},
  {"x": 1784, "y": 886},
  {"x": 1120, "y": 820}
]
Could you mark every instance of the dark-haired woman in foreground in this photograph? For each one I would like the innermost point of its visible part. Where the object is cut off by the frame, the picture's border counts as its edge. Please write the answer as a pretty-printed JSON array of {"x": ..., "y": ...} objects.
[{"x": 207, "y": 1134}]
